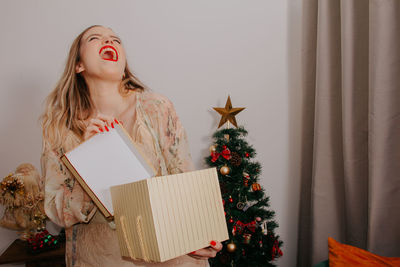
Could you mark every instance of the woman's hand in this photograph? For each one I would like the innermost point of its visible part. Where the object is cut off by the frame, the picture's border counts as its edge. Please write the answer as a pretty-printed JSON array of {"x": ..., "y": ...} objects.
[
  {"x": 208, "y": 252},
  {"x": 99, "y": 124}
]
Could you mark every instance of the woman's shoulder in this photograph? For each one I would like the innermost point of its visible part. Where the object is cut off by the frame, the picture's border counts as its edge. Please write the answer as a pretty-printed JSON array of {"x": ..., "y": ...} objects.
[{"x": 151, "y": 100}]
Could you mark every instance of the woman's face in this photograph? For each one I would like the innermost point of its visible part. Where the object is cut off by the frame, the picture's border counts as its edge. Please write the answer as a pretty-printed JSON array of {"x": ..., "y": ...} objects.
[{"x": 101, "y": 55}]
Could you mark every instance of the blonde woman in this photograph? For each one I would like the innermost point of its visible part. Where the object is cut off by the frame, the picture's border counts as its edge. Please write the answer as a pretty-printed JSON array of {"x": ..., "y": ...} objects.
[{"x": 97, "y": 90}]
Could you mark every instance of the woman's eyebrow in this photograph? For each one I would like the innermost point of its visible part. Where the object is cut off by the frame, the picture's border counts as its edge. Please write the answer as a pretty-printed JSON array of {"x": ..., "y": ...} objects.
[
  {"x": 97, "y": 34},
  {"x": 93, "y": 34},
  {"x": 116, "y": 37}
]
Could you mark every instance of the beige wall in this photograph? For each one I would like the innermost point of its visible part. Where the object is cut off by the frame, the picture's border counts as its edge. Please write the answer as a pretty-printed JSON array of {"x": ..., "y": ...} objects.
[{"x": 194, "y": 52}]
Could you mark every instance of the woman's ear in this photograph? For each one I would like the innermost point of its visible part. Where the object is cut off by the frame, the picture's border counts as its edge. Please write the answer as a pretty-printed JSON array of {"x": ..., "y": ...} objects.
[{"x": 79, "y": 67}]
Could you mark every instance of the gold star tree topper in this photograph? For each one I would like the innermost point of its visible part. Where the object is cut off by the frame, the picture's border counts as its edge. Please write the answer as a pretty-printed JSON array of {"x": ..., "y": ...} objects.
[{"x": 228, "y": 113}]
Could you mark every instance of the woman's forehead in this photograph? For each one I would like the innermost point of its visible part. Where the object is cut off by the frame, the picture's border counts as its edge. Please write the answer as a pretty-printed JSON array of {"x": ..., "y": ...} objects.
[{"x": 99, "y": 30}]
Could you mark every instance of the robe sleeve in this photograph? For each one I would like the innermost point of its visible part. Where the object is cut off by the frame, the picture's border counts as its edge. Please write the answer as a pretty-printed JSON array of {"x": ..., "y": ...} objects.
[
  {"x": 65, "y": 203},
  {"x": 174, "y": 142}
]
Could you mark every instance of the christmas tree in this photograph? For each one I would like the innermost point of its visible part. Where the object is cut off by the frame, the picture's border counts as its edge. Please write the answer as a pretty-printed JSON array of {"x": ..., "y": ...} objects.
[{"x": 252, "y": 240}]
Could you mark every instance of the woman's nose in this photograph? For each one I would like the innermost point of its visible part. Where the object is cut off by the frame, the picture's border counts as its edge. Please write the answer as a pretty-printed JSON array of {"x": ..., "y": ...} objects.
[{"x": 108, "y": 41}]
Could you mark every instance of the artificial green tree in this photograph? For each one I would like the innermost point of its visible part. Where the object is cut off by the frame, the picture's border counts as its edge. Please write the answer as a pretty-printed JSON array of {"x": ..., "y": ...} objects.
[{"x": 251, "y": 227}]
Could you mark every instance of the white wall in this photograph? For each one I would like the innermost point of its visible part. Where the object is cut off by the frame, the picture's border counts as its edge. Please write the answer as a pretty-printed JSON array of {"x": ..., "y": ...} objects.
[{"x": 194, "y": 52}]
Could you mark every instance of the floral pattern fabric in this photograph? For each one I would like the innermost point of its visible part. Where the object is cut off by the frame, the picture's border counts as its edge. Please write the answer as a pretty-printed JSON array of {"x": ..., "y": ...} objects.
[{"x": 160, "y": 136}]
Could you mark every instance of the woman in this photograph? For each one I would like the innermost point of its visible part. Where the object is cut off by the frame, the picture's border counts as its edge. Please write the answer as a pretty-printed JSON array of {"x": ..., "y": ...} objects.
[{"x": 96, "y": 90}]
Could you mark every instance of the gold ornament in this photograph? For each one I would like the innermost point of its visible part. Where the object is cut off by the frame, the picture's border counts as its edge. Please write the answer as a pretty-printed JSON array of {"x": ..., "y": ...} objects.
[
  {"x": 224, "y": 170},
  {"x": 256, "y": 187},
  {"x": 228, "y": 113},
  {"x": 231, "y": 247},
  {"x": 21, "y": 194},
  {"x": 213, "y": 149}
]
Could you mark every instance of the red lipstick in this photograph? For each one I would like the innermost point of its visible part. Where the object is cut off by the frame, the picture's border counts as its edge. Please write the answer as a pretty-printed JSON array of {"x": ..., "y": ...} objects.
[{"x": 108, "y": 49}]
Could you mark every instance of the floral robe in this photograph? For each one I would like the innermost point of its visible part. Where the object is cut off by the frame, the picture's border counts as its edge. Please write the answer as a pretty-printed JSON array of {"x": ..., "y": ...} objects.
[{"x": 90, "y": 240}]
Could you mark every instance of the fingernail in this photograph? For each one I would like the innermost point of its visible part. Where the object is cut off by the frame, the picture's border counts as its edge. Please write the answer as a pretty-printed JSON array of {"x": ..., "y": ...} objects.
[
  {"x": 112, "y": 125},
  {"x": 106, "y": 128},
  {"x": 193, "y": 252},
  {"x": 213, "y": 243},
  {"x": 116, "y": 121},
  {"x": 101, "y": 130}
]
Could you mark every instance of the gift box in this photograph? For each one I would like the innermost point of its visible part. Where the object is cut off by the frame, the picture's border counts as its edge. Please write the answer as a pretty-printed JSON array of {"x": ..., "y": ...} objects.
[{"x": 162, "y": 218}]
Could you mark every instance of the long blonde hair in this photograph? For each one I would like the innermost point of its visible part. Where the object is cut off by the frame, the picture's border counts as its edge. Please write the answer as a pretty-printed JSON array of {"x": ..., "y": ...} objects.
[{"x": 69, "y": 104}]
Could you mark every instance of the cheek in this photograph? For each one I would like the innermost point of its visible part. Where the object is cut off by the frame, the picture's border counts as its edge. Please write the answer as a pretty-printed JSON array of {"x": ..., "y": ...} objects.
[
  {"x": 122, "y": 56},
  {"x": 122, "y": 60},
  {"x": 87, "y": 55}
]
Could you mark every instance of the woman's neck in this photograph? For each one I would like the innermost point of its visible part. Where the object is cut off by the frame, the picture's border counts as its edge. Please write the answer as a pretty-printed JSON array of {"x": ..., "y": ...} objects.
[{"x": 106, "y": 97}]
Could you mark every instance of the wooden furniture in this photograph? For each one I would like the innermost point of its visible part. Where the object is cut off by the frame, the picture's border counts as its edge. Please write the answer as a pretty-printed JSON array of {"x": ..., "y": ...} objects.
[{"x": 17, "y": 252}]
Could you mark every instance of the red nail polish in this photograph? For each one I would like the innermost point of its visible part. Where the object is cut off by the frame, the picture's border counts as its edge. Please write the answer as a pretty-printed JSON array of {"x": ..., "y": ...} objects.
[
  {"x": 213, "y": 243},
  {"x": 193, "y": 252},
  {"x": 116, "y": 121},
  {"x": 106, "y": 128},
  {"x": 112, "y": 125},
  {"x": 101, "y": 130}
]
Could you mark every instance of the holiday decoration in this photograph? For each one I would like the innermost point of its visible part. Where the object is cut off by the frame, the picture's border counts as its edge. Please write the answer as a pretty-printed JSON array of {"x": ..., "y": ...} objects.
[
  {"x": 240, "y": 205},
  {"x": 251, "y": 226},
  {"x": 256, "y": 187},
  {"x": 22, "y": 197},
  {"x": 43, "y": 241},
  {"x": 228, "y": 113},
  {"x": 231, "y": 247},
  {"x": 246, "y": 238},
  {"x": 250, "y": 222},
  {"x": 249, "y": 204},
  {"x": 224, "y": 170},
  {"x": 226, "y": 154},
  {"x": 276, "y": 251},
  {"x": 246, "y": 178},
  {"x": 264, "y": 228},
  {"x": 236, "y": 160},
  {"x": 213, "y": 149}
]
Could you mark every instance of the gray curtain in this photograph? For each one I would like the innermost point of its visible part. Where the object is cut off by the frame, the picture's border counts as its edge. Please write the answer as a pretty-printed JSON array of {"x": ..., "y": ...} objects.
[{"x": 350, "y": 188}]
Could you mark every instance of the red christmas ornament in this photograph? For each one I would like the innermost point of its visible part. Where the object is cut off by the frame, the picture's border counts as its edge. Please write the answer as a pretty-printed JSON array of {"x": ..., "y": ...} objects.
[
  {"x": 230, "y": 199},
  {"x": 276, "y": 251},
  {"x": 247, "y": 154},
  {"x": 231, "y": 220},
  {"x": 246, "y": 178}
]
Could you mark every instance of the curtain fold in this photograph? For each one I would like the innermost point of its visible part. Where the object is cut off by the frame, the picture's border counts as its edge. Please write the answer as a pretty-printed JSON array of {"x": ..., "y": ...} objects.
[
  {"x": 384, "y": 132},
  {"x": 351, "y": 127}
]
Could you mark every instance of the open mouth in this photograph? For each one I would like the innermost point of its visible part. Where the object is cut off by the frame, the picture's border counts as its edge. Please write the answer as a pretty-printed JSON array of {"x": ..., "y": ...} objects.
[{"x": 108, "y": 52}]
